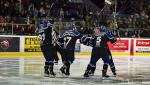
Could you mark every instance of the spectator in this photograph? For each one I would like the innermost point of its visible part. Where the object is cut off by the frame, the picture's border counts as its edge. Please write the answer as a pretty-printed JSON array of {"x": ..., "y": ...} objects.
[
  {"x": 135, "y": 34},
  {"x": 126, "y": 34},
  {"x": 61, "y": 13},
  {"x": 22, "y": 31}
]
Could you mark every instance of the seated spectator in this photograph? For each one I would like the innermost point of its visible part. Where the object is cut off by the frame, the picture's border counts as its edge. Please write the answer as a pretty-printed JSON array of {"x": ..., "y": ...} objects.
[
  {"x": 135, "y": 34},
  {"x": 126, "y": 34}
]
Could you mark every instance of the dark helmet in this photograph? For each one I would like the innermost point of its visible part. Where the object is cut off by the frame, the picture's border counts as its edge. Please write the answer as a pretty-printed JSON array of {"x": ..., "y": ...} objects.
[
  {"x": 103, "y": 28},
  {"x": 45, "y": 24},
  {"x": 73, "y": 27},
  {"x": 51, "y": 21}
]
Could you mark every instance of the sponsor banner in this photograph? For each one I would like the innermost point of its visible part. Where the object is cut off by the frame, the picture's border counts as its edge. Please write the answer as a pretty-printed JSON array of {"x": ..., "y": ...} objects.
[
  {"x": 142, "y": 46},
  {"x": 32, "y": 44},
  {"x": 121, "y": 45},
  {"x": 9, "y": 44},
  {"x": 143, "y": 43}
]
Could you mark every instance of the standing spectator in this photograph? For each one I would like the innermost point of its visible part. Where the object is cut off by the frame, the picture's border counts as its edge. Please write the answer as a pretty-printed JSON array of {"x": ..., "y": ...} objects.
[
  {"x": 61, "y": 13},
  {"x": 22, "y": 31}
]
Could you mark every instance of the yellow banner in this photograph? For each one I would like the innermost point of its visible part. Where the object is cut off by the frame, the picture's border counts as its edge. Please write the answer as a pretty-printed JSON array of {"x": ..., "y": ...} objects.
[{"x": 32, "y": 44}]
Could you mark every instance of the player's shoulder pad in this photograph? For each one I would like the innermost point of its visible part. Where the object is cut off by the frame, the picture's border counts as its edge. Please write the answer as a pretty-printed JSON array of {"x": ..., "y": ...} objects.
[{"x": 71, "y": 33}]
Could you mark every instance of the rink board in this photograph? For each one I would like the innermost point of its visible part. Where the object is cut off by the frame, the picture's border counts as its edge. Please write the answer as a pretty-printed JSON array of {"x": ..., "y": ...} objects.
[
  {"x": 29, "y": 46},
  {"x": 83, "y": 54}
]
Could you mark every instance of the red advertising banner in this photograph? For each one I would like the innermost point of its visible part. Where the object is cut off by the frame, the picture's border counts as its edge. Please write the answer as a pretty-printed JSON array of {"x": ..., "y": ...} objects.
[
  {"x": 142, "y": 46},
  {"x": 142, "y": 42},
  {"x": 122, "y": 45}
]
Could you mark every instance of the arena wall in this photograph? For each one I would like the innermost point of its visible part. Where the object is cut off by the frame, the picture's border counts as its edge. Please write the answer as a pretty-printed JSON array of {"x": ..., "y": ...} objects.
[{"x": 29, "y": 46}]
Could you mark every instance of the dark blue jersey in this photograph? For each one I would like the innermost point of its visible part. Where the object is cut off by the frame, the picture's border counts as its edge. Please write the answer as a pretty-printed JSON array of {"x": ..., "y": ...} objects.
[
  {"x": 70, "y": 37},
  {"x": 101, "y": 41},
  {"x": 87, "y": 40},
  {"x": 48, "y": 36},
  {"x": 98, "y": 41}
]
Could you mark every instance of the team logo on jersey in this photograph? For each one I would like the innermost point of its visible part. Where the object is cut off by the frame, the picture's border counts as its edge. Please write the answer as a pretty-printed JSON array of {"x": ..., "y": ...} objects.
[{"x": 5, "y": 44}]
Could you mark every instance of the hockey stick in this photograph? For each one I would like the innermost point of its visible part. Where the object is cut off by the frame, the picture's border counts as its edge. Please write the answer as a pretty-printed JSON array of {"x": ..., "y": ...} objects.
[
  {"x": 46, "y": 16},
  {"x": 115, "y": 22},
  {"x": 51, "y": 8},
  {"x": 53, "y": 3}
]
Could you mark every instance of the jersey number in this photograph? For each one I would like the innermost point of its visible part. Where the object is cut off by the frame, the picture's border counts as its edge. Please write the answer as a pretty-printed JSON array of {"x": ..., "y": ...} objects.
[
  {"x": 42, "y": 37},
  {"x": 66, "y": 41},
  {"x": 98, "y": 41}
]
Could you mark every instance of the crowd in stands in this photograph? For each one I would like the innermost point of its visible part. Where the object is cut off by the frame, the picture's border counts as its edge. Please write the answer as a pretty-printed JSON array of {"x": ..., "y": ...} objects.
[{"x": 23, "y": 15}]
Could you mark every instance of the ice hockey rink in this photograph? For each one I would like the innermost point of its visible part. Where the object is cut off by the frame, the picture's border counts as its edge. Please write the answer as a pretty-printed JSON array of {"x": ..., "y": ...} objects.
[{"x": 131, "y": 70}]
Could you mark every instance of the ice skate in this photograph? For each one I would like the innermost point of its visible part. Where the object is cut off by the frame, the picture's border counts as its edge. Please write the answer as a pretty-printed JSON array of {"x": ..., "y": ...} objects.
[
  {"x": 87, "y": 74},
  {"x": 46, "y": 71},
  {"x": 91, "y": 73},
  {"x": 114, "y": 74},
  {"x": 104, "y": 75},
  {"x": 62, "y": 69},
  {"x": 52, "y": 74}
]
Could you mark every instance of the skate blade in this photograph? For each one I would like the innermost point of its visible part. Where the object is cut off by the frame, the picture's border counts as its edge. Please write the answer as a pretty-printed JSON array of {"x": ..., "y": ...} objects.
[
  {"x": 86, "y": 77},
  {"x": 52, "y": 76},
  {"x": 105, "y": 78},
  {"x": 46, "y": 75},
  {"x": 56, "y": 63},
  {"x": 114, "y": 76},
  {"x": 64, "y": 75},
  {"x": 91, "y": 75}
]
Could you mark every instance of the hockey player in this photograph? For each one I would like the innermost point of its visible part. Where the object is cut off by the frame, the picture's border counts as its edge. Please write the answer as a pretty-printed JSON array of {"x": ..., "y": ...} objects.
[
  {"x": 47, "y": 36},
  {"x": 111, "y": 64},
  {"x": 70, "y": 37},
  {"x": 58, "y": 47},
  {"x": 100, "y": 50},
  {"x": 56, "y": 58}
]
